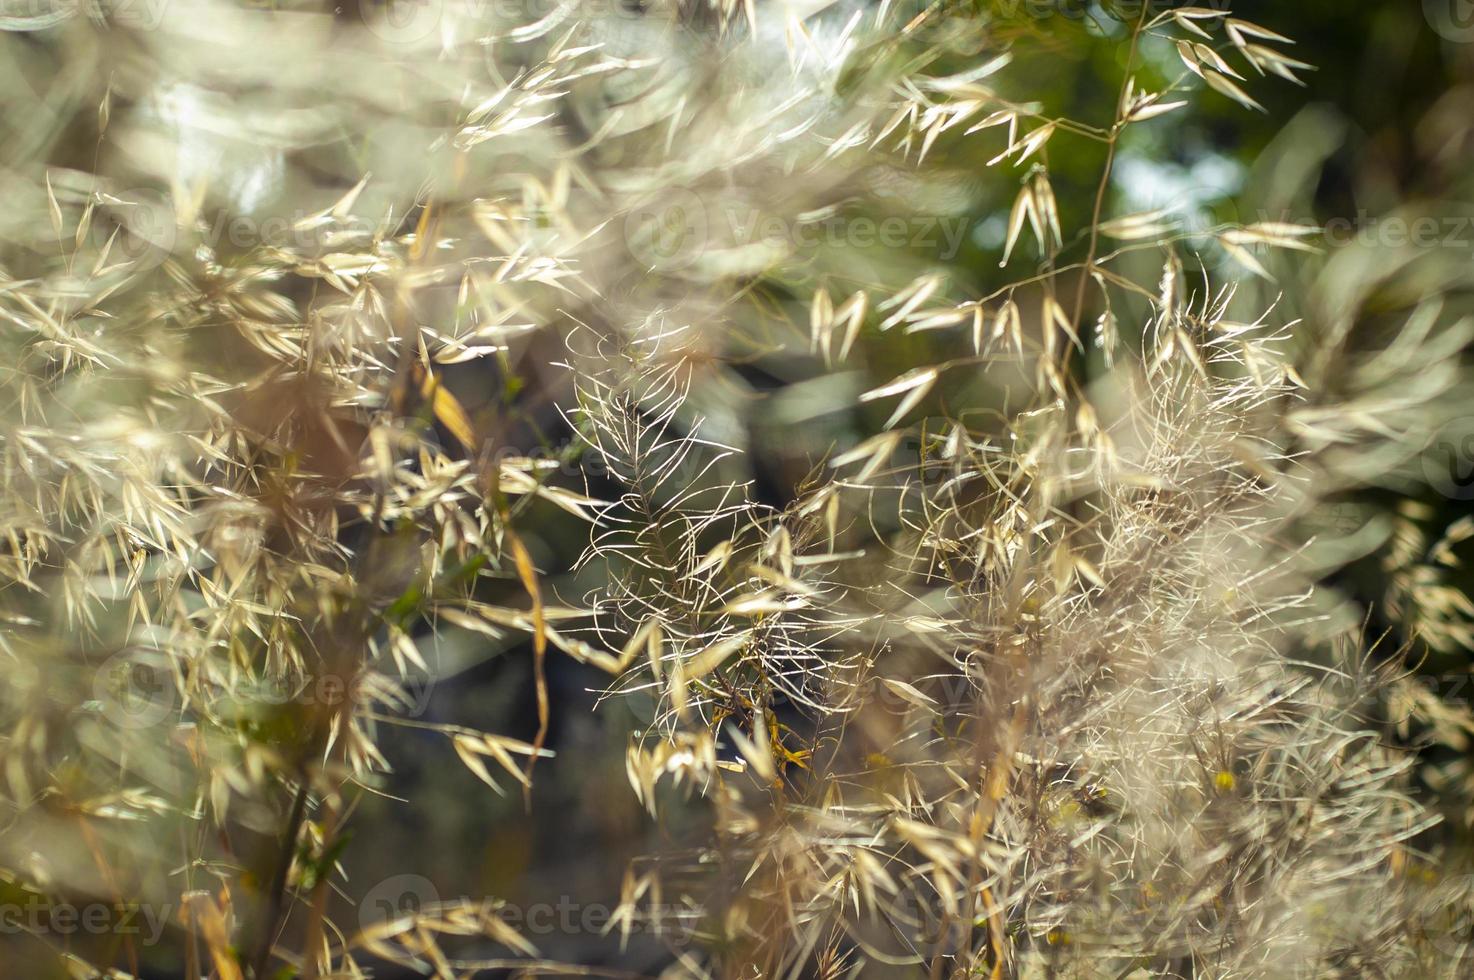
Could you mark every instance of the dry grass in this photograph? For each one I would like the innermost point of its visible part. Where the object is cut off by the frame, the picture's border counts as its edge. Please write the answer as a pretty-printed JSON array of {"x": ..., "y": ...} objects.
[{"x": 1034, "y": 675}]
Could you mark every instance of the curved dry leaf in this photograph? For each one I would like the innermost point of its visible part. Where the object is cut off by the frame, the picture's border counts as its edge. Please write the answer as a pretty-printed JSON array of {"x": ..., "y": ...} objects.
[
  {"x": 1221, "y": 84},
  {"x": 708, "y": 660},
  {"x": 909, "y": 693}
]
